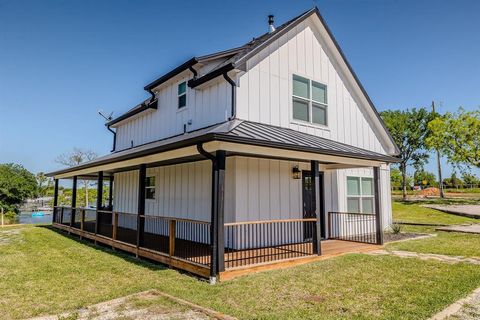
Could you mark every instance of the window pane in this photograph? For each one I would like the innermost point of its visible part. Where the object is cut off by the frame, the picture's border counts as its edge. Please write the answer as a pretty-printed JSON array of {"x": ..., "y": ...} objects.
[
  {"x": 182, "y": 88},
  {"x": 319, "y": 114},
  {"x": 353, "y": 186},
  {"x": 300, "y": 110},
  {"x": 301, "y": 87},
  {"x": 319, "y": 92},
  {"x": 367, "y": 186},
  {"x": 353, "y": 205},
  {"x": 150, "y": 193},
  {"x": 150, "y": 182},
  {"x": 367, "y": 205},
  {"x": 182, "y": 101}
]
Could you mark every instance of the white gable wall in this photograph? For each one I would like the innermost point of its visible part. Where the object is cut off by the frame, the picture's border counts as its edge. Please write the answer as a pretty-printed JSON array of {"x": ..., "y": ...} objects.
[{"x": 265, "y": 89}]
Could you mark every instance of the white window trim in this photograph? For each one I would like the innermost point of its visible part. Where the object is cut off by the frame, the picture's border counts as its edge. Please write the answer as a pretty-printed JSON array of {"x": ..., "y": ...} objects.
[
  {"x": 361, "y": 195},
  {"x": 310, "y": 102},
  {"x": 183, "y": 94},
  {"x": 154, "y": 187}
]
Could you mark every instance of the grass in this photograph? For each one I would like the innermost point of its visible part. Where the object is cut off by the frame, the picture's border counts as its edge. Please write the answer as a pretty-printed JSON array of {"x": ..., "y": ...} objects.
[
  {"x": 449, "y": 243},
  {"x": 44, "y": 272},
  {"x": 414, "y": 212}
]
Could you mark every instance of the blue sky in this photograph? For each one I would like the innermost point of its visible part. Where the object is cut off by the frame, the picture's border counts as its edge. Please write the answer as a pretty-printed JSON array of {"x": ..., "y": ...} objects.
[{"x": 61, "y": 61}]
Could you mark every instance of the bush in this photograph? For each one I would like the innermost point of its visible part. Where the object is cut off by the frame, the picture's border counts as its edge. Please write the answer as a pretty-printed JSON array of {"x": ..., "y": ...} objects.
[
  {"x": 396, "y": 228},
  {"x": 10, "y": 217}
]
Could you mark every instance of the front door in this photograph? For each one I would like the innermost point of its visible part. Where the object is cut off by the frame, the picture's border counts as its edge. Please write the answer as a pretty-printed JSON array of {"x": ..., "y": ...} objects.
[{"x": 308, "y": 210}]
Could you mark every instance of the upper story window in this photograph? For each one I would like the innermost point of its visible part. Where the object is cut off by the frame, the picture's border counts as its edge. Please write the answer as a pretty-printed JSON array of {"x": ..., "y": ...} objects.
[
  {"x": 309, "y": 101},
  {"x": 150, "y": 188},
  {"x": 360, "y": 195},
  {"x": 182, "y": 95}
]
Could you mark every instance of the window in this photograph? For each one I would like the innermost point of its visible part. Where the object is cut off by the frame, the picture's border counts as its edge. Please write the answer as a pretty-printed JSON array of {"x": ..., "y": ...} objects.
[
  {"x": 150, "y": 188},
  {"x": 182, "y": 95},
  {"x": 309, "y": 101},
  {"x": 360, "y": 195}
]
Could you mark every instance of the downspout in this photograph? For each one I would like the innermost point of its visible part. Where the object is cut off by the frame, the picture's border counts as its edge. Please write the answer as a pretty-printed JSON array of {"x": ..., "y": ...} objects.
[
  {"x": 114, "y": 138},
  {"x": 213, "y": 225},
  {"x": 234, "y": 100},
  {"x": 195, "y": 74}
]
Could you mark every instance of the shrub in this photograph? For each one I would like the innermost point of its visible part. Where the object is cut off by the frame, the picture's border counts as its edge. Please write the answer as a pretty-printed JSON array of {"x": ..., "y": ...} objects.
[{"x": 396, "y": 228}]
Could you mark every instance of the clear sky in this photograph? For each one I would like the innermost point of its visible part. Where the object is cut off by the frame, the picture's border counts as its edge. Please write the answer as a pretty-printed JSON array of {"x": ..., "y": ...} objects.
[{"x": 61, "y": 61}]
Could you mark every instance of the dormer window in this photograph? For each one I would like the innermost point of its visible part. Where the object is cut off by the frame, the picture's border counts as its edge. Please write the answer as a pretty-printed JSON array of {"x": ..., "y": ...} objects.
[
  {"x": 309, "y": 101},
  {"x": 182, "y": 95}
]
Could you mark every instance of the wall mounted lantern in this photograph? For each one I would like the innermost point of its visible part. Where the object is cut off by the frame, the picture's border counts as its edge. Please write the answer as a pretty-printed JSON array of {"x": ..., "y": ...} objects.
[{"x": 296, "y": 172}]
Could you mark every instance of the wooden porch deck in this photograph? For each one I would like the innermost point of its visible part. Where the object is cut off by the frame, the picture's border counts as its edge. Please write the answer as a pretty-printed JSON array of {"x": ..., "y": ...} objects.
[{"x": 253, "y": 260}]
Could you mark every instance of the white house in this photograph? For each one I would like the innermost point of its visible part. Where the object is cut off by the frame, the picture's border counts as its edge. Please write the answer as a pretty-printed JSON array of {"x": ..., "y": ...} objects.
[{"x": 248, "y": 156}]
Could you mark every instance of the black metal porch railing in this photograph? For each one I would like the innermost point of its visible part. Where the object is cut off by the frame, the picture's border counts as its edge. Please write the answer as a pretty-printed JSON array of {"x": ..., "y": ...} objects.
[
  {"x": 257, "y": 242},
  {"x": 357, "y": 227},
  {"x": 181, "y": 238}
]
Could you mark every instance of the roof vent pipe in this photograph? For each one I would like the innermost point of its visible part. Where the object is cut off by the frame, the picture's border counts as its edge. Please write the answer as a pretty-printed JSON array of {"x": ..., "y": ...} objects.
[{"x": 271, "y": 27}]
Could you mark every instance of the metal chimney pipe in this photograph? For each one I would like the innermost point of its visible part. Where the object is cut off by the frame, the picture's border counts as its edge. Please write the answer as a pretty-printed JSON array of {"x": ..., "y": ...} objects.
[{"x": 271, "y": 27}]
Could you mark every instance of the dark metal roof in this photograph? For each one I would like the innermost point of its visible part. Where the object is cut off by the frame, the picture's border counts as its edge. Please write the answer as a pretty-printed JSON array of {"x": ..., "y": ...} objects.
[{"x": 239, "y": 131}]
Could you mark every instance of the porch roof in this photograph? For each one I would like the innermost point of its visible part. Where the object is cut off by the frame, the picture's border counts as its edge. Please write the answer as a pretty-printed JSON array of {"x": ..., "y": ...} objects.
[{"x": 241, "y": 132}]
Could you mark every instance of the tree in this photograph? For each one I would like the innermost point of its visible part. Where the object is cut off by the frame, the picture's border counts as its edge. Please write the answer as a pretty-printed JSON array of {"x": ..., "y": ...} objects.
[
  {"x": 470, "y": 179},
  {"x": 16, "y": 185},
  {"x": 425, "y": 178},
  {"x": 457, "y": 136},
  {"x": 409, "y": 130},
  {"x": 43, "y": 183},
  {"x": 453, "y": 181},
  {"x": 74, "y": 158},
  {"x": 396, "y": 178}
]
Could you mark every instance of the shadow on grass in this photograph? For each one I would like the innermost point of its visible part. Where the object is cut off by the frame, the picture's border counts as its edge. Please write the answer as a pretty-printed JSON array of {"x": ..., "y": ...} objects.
[{"x": 127, "y": 256}]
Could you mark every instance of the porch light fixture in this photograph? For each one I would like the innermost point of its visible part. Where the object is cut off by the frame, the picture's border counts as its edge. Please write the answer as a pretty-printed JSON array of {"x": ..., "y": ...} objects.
[{"x": 296, "y": 172}]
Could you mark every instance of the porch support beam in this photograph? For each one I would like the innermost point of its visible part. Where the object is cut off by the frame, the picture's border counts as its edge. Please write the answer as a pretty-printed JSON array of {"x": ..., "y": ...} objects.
[
  {"x": 378, "y": 210},
  {"x": 316, "y": 204},
  {"x": 55, "y": 193},
  {"x": 142, "y": 176},
  {"x": 217, "y": 244},
  {"x": 99, "y": 197},
  {"x": 74, "y": 200}
]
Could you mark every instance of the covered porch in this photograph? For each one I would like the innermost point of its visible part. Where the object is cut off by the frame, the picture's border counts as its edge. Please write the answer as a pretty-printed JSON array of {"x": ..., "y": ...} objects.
[{"x": 215, "y": 248}]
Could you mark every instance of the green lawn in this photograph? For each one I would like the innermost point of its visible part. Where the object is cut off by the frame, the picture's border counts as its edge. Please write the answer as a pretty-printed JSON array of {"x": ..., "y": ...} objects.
[
  {"x": 414, "y": 212},
  {"x": 44, "y": 272}
]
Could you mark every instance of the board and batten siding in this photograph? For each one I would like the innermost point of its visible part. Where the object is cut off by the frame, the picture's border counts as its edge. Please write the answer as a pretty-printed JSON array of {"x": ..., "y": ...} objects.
[
  {"x": 205, "y": 107},
  {"x": 265, "y": 89},
  {"x": 181, "y": 191}
]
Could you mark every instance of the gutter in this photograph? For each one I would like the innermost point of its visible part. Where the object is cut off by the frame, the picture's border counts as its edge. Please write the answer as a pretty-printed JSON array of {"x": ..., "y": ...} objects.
[
  {"x": 234, "y": 95},
  {"x": 114, "y": 138}
]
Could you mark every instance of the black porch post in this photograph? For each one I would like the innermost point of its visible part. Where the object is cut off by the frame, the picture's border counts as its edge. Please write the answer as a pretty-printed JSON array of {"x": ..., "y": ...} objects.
[
  {"x": 142, "y": 176},
  {"x": 317, "y": 247},
  {"x": 99, "y": 198},
  {"x": 110, "y": 193},
  {"x": 378, "y": 215},
  {"x": 217, "y": 220},
  {"x": 74, "y": 200},
  {"x": 55, "y": 200}
]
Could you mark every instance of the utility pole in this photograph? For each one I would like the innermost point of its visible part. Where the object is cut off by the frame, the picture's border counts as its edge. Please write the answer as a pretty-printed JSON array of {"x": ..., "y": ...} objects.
[{"x": 439, "y": 164}]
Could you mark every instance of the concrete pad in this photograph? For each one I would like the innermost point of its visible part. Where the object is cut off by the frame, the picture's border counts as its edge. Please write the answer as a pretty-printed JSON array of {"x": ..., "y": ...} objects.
[
  {"x": 473, "y": 228},
  {"x": 466, "y": 210}
]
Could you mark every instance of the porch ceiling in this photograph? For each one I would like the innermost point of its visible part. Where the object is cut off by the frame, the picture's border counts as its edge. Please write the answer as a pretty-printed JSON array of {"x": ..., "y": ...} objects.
[{"x": 237, "y": 137}]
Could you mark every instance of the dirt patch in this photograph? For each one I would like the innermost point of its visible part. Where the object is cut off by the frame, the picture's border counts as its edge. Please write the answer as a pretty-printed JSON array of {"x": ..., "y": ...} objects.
[
  {"x": 429, "y": 192},
  {"x": 149, "y": 305},
  {"x": 466, "y": 210},
  {"x": 427, "y": 256},
  {"x": 391, "y": 237},
  {"x": 9, "y": 236}
]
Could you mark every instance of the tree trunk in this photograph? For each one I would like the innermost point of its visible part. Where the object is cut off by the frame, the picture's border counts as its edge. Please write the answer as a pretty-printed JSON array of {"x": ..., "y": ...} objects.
[{"x": 403, "y": 168}]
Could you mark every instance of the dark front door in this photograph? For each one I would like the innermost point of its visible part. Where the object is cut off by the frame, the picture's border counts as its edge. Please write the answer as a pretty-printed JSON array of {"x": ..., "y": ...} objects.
[{"x": 308, "y": 210}]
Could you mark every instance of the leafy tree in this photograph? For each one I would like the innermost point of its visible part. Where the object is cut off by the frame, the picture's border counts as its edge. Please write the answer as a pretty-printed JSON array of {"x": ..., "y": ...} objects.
[
  {"x": 396, "y": 178},
  {"x": 16, "y": 185},
  {"x": 457, "y": 136},
  {"x": 74, "y": 158},
  {"x": 470, "y": 179},
  {"x": 44, "y": 183},
  {"x": 409, "y": 130},
  {"x": 425, "y": 178},
  {"x": 453, "y": 181}
]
